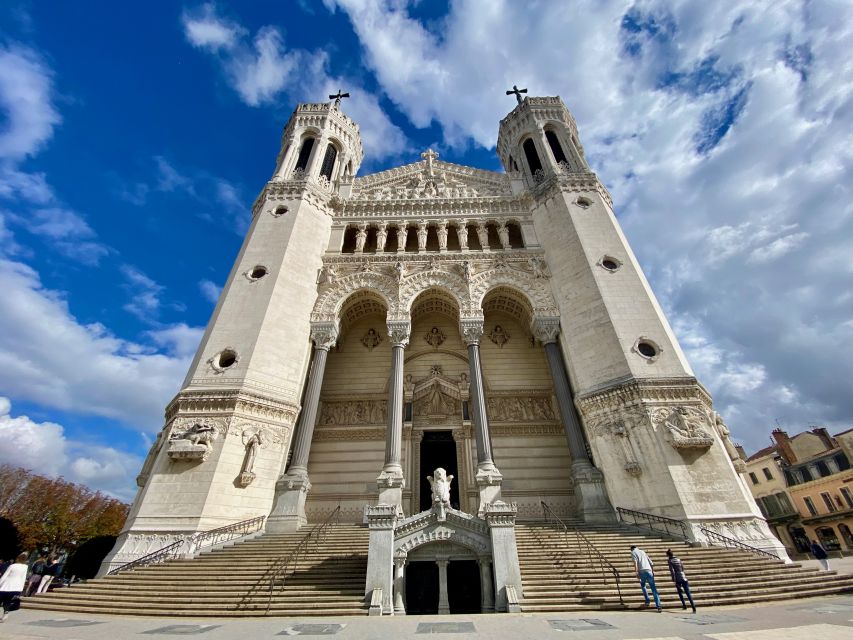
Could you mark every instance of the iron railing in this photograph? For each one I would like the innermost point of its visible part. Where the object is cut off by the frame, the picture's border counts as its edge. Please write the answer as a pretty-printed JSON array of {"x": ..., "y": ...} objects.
[
  {"x": 713, "y": 537},
  {"x": 660, "y": 524},
  {"x": 285, "y": 566},
  {"x": 188, "y": 546},
  {"x": 587, "y": 549}
]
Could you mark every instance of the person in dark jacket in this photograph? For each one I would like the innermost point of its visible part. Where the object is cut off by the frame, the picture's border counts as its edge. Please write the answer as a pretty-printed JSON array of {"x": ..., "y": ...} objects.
[
  {"x": 35, "y": 577},
  {"x": 676, "y": 571},
  {"x": 820, "y": 553}
]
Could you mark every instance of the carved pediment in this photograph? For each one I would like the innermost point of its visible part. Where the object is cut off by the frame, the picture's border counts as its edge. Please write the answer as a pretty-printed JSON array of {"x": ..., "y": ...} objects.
[{"x": 430, "y": 179}]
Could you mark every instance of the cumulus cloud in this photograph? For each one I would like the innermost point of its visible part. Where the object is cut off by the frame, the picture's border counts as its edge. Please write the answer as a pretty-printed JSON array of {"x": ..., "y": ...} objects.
[
  {"x": 210, "y": 290},
  {"x": 47, "y": 356},
  {"x": 43, "y": 448},
  {"x": 261, "y": 68},
  {"x": 723, "y": 132}
]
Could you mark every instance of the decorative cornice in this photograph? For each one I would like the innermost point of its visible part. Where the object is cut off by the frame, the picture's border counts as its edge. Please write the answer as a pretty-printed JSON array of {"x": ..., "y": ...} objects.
[{"x": 239, "y": 401}]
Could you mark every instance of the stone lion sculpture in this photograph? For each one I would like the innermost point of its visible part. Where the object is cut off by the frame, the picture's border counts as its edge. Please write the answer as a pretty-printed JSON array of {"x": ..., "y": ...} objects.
[{"x": 440, "y": 483}]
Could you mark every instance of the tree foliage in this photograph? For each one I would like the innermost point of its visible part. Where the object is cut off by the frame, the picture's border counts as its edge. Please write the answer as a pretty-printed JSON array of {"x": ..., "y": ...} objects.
[{"x": 55, "y": 513}]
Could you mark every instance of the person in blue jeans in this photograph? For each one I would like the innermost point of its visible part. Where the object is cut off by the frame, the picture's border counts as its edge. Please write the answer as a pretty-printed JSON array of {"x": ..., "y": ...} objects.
[
  {"x": 646, "y": 573},
  {"x": 676, "y": 570}
]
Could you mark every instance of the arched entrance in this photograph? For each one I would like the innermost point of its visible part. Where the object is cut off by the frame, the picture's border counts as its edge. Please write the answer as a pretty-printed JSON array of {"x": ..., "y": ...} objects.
[{"x": 443, "y": 578}]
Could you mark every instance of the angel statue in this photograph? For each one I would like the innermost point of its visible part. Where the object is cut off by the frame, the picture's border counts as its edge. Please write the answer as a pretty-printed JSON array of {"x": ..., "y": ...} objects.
[{"x": 440, "y": 483}]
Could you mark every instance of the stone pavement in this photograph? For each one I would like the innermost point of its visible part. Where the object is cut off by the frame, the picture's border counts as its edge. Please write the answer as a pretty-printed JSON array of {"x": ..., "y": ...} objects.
[{"x": 829, "y": 618}]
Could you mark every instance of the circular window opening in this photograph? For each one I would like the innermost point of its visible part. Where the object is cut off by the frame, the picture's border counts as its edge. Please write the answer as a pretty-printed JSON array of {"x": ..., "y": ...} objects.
[
  {"x": 647, "y": 349},
  {"x": 258, "y": 272},
  {"x": 611, "y": 264},
  {"x": 280, "y": 210},
  {"x": 583, "y": 202},
  {"x": 226, "y": 358}
]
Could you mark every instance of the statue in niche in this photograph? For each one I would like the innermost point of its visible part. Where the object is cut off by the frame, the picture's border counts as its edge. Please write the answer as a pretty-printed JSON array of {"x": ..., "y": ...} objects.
[
  {"x": 381, "y": 236},
  {"x": 538, "y": 267},
  {"x": 399, "y": 271},
  {"x": 422, "y": 237},
  {"x": 483, "y": 235},
  {"x": 254, "y": 442},
  {"x": 466, "y": 271},
  {"x": 464, "y": 386},
  {"x": 408, "y": 385},
  {"x": 435, "y": 337},
  {"x": 371, "y": 339},
  {"x": 442, "y": 237},
  {"x": 360, "y": 239},
  {"x": 499, "y": 336},
  {"x": 327, "y": 275},
  {"x": 503, "y": 235},
  {"x": 440, "y": 484}
]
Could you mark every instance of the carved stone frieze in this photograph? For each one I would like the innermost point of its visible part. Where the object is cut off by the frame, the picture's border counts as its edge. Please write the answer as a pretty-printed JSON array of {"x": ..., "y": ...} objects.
[
  {"x": 520, "y": 430},
  {"x": 526, "y": 408},
  {"x": 189, "y": 404},
  {"x": 686, "y": 426},
  {"x": 353, "y": 412},
  {"x": 335, "y": 435}
]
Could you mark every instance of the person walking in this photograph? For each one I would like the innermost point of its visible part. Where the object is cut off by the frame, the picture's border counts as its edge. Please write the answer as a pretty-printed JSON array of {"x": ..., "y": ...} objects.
[
  {"x": 676, "y": 571},
  {"x": 35, "y": 576},
  {"x": 12, "y": 583},
  {"x": 646, "y": 573},
  {"x": 820, "y": 554}
]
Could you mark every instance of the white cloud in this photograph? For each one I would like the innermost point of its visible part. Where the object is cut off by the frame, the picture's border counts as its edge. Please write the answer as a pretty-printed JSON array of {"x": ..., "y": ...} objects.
[
  {"x": 31, "y": 187},
  {"x": 210, "y": 290},
  {"x": 25, "y": 101},
  {"x": 145, "y": 293},
  {"x": 260, "y": 70},
  {"x": 725, "y": 133},
  {"x": 206, "y": 30},
  {"x": 48, "y": 357},
  {"x": 180, "y": 339},
  {"x": 170, "y": 179},
  {"x": 43, "y": 448}
]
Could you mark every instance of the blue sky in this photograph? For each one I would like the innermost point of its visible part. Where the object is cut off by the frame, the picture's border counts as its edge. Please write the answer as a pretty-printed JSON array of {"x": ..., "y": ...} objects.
[{"x": 134, "y": 138}]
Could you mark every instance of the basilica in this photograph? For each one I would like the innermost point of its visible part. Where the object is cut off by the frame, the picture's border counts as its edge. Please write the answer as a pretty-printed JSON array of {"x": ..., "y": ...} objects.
[{"x": 488, "y": 333}]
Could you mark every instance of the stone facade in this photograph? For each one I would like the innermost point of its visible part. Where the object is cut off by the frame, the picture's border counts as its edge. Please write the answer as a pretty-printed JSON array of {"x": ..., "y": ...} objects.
[{"x": 502, "y": 312}]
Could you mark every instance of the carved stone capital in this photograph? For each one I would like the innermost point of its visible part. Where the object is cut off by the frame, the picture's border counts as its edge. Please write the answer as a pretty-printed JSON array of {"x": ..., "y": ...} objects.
[
  {"x": 398, "y": 332},
  {"x": 500, "y": 514},
  {"x": 546, "y": 329},
  {"x": 381, "y": 516},
  {"x": 324, "y": 335},
  {"x": 471, "y": 330}
]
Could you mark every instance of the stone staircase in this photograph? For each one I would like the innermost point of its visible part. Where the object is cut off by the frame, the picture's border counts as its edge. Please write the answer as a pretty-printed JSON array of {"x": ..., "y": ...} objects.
[
  {"x": 233, "y": 581},
  {"x": 557, "y": 577}
]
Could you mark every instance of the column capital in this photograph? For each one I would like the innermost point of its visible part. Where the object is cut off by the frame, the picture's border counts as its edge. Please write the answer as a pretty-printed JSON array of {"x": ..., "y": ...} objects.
[
  {"x": 471, "y": 330},
  {"x": 324, "y": 335},
  {"x": 546, "y": 328},
  {"x": 398, "y": 332}
]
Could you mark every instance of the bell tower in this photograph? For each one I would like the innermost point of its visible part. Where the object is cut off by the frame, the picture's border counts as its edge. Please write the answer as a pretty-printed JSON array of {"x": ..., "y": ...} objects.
[
  {"x": 228, "y": 431},
  {"x": 648, "y": 423}
]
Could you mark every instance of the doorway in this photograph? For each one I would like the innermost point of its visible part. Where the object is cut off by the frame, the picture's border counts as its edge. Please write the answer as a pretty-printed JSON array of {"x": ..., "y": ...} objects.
[
  {"x": 463, "y": 586},
  {"x": 438, "y": 449},
  {"x": 422, "y": 588}
]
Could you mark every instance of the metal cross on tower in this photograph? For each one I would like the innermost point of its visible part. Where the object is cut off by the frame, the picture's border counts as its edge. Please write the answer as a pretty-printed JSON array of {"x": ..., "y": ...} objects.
[
  {"x": 339, "y": 95},
  {"x": 517, "y": 92}
]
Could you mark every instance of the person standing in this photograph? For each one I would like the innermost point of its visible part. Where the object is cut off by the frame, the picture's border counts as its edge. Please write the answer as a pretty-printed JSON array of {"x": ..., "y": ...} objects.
[
  {"x": 51, "y": 570},
  {"x": 12, "y": 583},
  {"x": 646, "y": 573},
  {"x": 676, "y": 570},
  {"x": 820, "y": 554},
  {"x": 35, "y": 576}
]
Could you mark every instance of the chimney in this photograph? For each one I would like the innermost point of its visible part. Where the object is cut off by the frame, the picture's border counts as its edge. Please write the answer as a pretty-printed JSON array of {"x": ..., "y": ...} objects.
[
  {"x": 783, "y": 442},
  {"x": 828, "y": 441}
]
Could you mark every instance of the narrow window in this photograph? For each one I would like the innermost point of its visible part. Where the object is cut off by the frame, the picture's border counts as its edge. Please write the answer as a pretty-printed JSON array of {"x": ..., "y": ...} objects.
[
  {"x": 784, "y": 503},
  {"x": 847, "y": 496},
  {"x": 304, "y": 154},
  {"x": 827, "y": 500},
  {"x": 810, "y": 505},
  {"x": 329, "y": 161},
  {"x": 556, "y": 149},
  {"x": 823, "y": 469},
  {"x": 806, "y": 474},
  {"x": 842, "y": 462},
  {"x": 532, "y": 157},
  {"x": 753, "y": 477},
  {"x": 767, "y": 473}
]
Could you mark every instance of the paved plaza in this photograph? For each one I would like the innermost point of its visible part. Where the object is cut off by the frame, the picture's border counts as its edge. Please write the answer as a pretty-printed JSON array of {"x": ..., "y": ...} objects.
[{"x": 828, "y": 618}]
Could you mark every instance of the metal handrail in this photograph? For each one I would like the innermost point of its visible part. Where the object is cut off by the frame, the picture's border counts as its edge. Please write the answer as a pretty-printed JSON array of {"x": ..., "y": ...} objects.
[
  {"x": 169, "y": 552},
  {"x": 652, "y": 521},
  {"x": 286, "y": 565},
  {"x": 190, "y": 545},
  {"x": 584, "y": 543},
  {"x": 737, "y": 544}
]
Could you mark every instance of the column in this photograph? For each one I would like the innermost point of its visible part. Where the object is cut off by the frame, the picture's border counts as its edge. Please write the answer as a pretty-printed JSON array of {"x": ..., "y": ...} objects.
[
  {"x": 399, "y": 586},
  {"x": 443, "y": 602},
  {"x": 317, "y": 153},
  {"x": 488, "y": 478},
  {"x": 391, "y": 481},
  {"x": 291, "y": 489},
  {"x": 487, "y": 593},
  {"x": 591, "y": 498}
]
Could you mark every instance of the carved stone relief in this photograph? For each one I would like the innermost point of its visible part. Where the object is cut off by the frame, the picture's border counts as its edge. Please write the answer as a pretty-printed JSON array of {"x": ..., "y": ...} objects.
[
  {"x": 520, "y": 408},
  {"x": 686, "y": 426},
  {"x": 194, "y": 442},
  {"x": 499, "y": 336},
  {"x": 353, "y": 412},
  {"x": 371, "y": 339},
  {"x": 435, "y": 337}
]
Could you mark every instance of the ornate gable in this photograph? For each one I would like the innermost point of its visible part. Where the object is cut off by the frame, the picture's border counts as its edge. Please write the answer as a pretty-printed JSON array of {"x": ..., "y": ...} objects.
[{"x": 428, "y": 179}]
